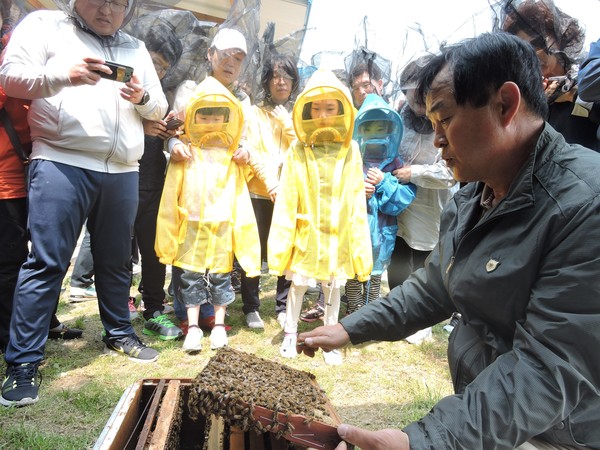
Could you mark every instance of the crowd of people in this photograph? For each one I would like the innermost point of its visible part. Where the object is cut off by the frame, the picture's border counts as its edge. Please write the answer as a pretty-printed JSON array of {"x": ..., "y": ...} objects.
[{"x": 329, "y": 184}]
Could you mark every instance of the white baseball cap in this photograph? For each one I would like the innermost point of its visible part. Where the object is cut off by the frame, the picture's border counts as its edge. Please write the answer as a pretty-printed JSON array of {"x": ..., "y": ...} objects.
[{"x": 228, "y": 38}]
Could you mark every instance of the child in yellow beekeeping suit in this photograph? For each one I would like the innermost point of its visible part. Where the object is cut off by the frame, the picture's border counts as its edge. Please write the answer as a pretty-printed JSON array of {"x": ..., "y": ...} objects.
[
  {"x": 319, "y": 232},
  {"x": 205, "y": 214}
]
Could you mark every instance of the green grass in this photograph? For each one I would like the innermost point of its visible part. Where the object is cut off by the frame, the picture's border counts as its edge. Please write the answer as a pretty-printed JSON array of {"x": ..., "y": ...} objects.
[{"x": 380, "y": 384}]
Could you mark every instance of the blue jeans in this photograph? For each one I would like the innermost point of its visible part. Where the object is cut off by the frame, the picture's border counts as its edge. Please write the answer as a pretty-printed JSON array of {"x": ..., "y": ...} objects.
[
  {"x": 60, "y": 198},
  {"x": 194, "y": 288}
]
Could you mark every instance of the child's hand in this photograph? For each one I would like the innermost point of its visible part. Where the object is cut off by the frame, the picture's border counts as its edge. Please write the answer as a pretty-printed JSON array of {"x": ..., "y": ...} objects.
[
  {"x": 369, "y": 189},
  {"x": 403, "y": 174},
  {"x": 181, "y": 152},
  {"x": 374, "y": 176},
  {"x": 273, "y": 194},
  {"x": 241, "y": 156}
]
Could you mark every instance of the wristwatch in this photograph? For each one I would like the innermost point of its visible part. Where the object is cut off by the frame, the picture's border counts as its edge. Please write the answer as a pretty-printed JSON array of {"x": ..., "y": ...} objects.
[{"x": 145, "y": 99}]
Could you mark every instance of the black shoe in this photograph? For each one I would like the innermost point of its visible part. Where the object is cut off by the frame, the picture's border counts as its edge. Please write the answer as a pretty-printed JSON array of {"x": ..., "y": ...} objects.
[
  {"x": 131, "y": 346},
  {"x": 21, "y": 385},
  {"x": 64, "y": 332}
]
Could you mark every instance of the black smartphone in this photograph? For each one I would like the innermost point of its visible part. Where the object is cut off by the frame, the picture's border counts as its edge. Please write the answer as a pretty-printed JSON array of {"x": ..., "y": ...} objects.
[
  {"x": 174, "y": 123},
  {"x": 119, "y": 73}
]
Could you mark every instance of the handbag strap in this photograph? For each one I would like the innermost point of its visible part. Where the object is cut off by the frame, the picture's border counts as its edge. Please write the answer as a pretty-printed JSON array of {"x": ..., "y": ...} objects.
[{"x": 12, "y": 134}]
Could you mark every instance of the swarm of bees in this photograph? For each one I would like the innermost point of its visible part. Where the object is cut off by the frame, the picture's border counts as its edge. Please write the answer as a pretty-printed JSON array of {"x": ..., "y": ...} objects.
[{"x": 234, "y": 384}]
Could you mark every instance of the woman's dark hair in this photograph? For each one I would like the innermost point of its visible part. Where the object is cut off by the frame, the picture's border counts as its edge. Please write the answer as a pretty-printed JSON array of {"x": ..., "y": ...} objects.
[
  {"x": 308, "y": 106},
  {"x": 551, "y": 30},
  {"x": 280, "y": 62},
  {"x": 479, "y": 66}
]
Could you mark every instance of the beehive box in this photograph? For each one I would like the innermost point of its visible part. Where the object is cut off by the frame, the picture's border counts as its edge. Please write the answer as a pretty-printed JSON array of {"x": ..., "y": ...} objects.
[{"x": 238, "y": 402}]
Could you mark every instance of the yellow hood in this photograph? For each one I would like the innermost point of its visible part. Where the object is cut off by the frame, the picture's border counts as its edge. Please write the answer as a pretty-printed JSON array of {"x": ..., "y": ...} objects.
[
  {"x": 323, "y": 84},
  {"x": 212, "y": 94}
]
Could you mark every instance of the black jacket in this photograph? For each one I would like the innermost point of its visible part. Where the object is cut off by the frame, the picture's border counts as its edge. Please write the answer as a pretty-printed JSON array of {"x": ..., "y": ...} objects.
[{"x": 526, "y": 279}]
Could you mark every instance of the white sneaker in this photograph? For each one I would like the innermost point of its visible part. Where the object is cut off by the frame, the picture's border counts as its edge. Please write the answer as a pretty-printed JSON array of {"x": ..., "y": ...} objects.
[
  {"x": 288, "y": 346},
  {"x": 254, "y": 321},
  {"x": 420, "y": 336},
  {"x": 281, "y": 319},
  {"x": 218, "y": 337},
  {"x": 193, "y": 340},
  {"x": 77, "y": 294},
  {"x": 333, "y": 358}
]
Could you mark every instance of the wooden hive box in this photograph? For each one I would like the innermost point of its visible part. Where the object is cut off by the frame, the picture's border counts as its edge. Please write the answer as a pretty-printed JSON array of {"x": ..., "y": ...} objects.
[{"x": 172, "y": 414}]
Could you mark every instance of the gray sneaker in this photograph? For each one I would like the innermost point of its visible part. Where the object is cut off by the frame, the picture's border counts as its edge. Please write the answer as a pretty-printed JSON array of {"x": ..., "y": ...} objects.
[
  {"x": 254, "y": 321},
  {"x": 131, "y": 346}
]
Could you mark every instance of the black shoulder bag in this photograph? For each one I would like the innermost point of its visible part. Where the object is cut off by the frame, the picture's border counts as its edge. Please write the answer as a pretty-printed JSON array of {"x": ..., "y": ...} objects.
[{"x": 16, "y": 142}]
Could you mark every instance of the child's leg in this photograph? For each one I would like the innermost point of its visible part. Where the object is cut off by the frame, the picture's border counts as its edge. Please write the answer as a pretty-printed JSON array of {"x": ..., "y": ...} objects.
[
  {"x": 193, "y": 291},
  {"x": 354, "y": 293},
  {"x": 294, "y": 306},
  {"x": 373, "y": 288},
  {"x": 292, "y": 315},
  {"x": 193, "y": 313},
  {"x": 222, "y": 294},
  {"x": 332, "y": 304},
  {"x": 332, "y": 312}
]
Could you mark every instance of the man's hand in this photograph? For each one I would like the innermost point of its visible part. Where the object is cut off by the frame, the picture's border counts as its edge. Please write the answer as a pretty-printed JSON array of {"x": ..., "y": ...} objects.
[
  {"x": 133, "y": 91},
  {"x": 402, "y": 174},
  {"x": 85, "y": 71},
  {"x": 326, "y": 337},
  {"x": 388, "y": 439}
]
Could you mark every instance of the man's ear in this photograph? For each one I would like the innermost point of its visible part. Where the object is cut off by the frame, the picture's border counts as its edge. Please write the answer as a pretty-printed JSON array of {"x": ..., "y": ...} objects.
[{"x": 509, "y": 96}]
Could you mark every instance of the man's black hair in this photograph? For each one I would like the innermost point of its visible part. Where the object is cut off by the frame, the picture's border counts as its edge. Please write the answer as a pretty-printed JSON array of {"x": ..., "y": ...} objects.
[
  {"x": 161, "y": 39},
  {"x": 479, "y": 66}
]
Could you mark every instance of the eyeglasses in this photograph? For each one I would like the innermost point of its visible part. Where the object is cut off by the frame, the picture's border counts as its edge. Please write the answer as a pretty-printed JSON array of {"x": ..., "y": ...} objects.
[
  {"x": 280, "y": 74},
  {"x": 160, "y": 67},
  {"x": 115, "y": 7},
  {"x": 366, "y": 87}
]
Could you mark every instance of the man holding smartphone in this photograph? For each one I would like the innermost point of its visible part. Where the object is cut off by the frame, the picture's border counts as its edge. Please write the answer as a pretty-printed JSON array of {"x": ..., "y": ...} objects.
[{"x": 87, "y": 140}]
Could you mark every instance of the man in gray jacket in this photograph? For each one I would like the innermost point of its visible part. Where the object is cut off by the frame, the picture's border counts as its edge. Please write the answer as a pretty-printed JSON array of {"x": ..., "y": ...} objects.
[
  {"x": 87, "y": 139},
  {"x": 517, "y": 257}
]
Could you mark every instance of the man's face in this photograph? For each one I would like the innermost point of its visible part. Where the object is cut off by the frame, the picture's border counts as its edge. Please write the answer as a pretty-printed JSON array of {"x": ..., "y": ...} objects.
[
  {"x": 226, "y": 64},
  {"x": 466, "y": 135},
  {"x": 363, "y": 85},
  {"x": 102, "y": 17}
]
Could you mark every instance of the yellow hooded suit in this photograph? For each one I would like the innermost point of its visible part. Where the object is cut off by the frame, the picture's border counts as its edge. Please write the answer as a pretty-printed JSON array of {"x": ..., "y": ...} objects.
[
  {"x": 205, "y": 213},
  {"x": 319, "y": 230}
]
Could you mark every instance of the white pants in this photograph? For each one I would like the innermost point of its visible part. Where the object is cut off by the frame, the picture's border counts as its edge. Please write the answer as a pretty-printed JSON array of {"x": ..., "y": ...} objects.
[{"x": 294, "y": 305}]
